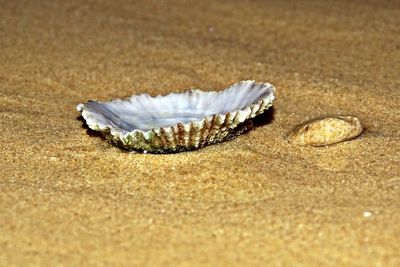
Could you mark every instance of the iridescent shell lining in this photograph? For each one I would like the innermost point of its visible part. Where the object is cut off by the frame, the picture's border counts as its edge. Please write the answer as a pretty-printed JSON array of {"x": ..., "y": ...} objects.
[{"x": 178, "y": 121}]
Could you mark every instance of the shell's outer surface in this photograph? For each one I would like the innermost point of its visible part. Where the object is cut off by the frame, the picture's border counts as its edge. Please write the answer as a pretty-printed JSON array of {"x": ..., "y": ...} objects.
[
  {"x": 326, "y": 131},
  {"x": 178, "y": 121}
]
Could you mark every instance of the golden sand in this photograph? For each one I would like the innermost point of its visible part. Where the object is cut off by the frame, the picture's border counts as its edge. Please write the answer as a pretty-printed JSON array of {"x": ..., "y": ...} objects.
[{"x": 69, "y": 198}]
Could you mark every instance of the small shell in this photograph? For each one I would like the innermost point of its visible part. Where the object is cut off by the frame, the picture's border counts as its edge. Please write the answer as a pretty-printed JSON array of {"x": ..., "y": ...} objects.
[
  {"x": 179, "y": 121},
  {"x": 326, "y": 131}
]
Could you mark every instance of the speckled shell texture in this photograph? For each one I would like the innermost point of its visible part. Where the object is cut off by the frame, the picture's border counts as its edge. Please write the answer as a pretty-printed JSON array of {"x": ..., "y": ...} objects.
[
  {"x": 178, "y": 121},
  {"x": 326, "y": 131}
]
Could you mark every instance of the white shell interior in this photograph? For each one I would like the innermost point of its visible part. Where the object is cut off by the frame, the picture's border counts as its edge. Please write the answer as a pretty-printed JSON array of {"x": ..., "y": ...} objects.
[{"x": 144, "y": 112}]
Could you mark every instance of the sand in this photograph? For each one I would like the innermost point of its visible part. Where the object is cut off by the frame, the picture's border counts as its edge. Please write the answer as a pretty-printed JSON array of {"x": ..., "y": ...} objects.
[{"x": 69, "y": 198}]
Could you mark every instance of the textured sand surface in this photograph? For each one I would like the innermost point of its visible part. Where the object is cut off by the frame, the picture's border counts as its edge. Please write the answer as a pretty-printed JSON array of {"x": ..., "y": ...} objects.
[{"x": 69, "y": 198}]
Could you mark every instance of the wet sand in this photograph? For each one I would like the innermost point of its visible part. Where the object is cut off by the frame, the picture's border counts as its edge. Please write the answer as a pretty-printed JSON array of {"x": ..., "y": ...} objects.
[{"x": 69, "y": 198}]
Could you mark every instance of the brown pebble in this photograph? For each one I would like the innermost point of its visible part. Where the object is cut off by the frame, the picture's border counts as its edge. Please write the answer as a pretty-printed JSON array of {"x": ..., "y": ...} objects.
[{"x": 326, "y": 131}]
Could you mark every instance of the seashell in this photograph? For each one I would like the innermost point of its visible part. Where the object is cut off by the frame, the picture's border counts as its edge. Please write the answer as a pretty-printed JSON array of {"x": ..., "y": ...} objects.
[
  {"x": 178, "y": 121},
  {"x": 326, "y": 131}
]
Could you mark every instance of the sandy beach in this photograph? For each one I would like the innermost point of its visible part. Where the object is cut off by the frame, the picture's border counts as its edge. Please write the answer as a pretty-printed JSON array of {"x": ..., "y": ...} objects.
[{"x": 69, "y": 198}]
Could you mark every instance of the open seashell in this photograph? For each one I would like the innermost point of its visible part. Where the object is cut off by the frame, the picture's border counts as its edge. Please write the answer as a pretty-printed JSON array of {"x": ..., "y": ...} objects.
[{"x": 178, "y": 121}]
